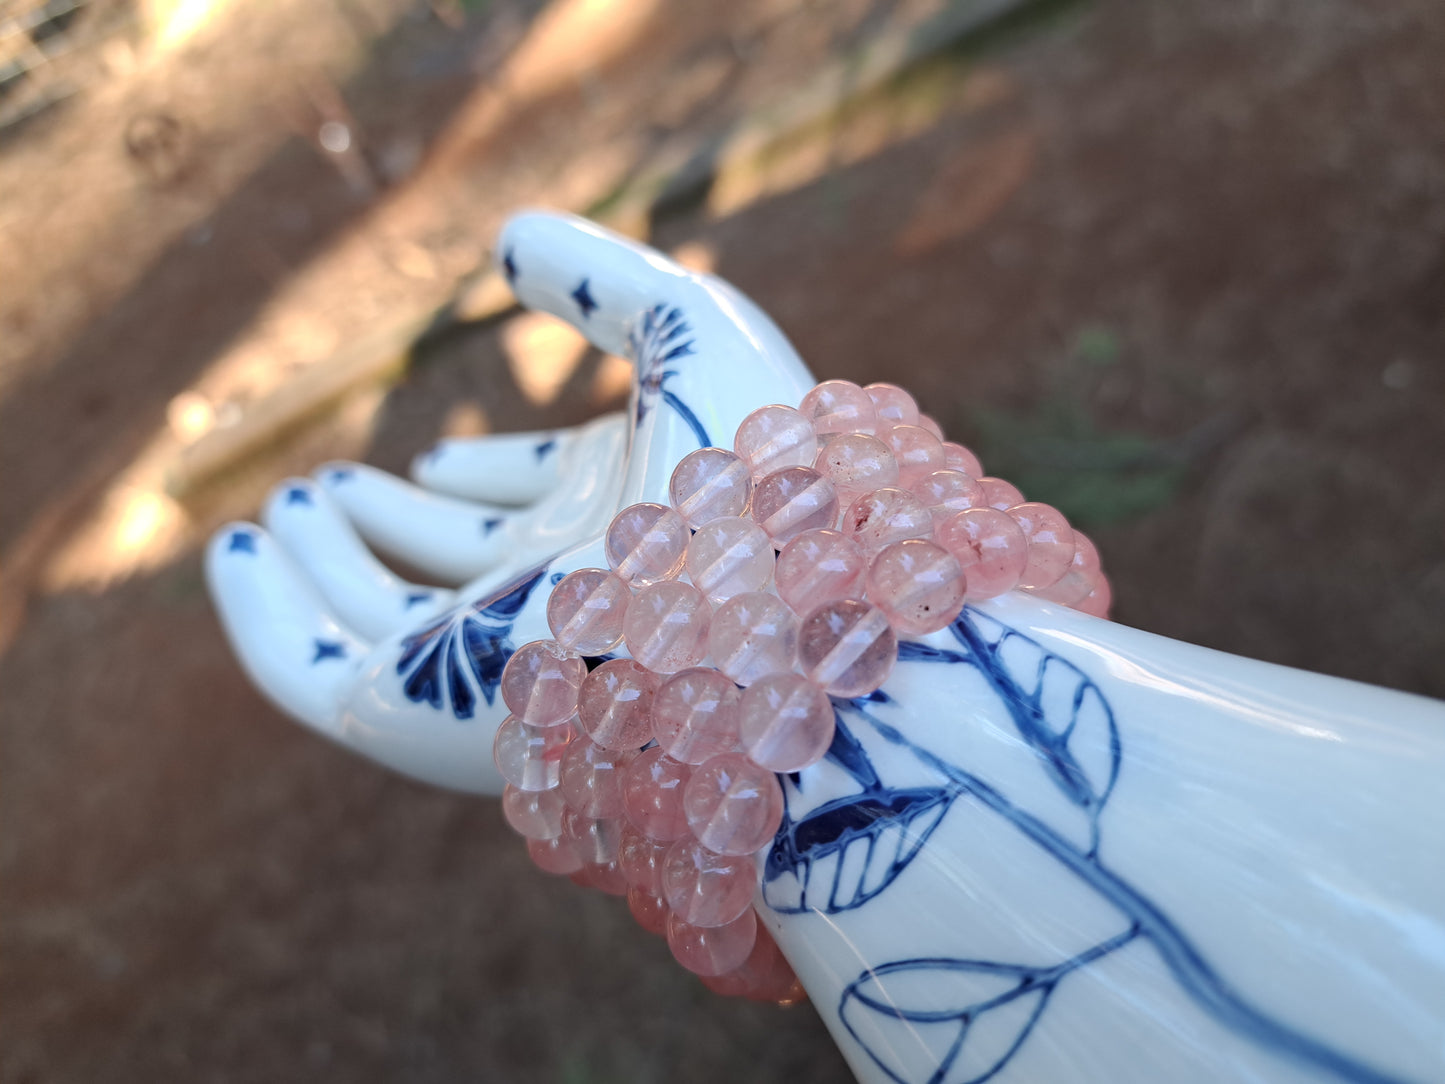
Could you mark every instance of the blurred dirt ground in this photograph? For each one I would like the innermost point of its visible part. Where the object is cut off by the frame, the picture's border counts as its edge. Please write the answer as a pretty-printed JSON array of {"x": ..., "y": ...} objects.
[{"x": 1178, "y": 267}]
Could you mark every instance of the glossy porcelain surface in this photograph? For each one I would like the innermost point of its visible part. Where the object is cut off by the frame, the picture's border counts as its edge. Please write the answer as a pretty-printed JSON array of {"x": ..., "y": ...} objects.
[{"x": 1048, "y": 848}]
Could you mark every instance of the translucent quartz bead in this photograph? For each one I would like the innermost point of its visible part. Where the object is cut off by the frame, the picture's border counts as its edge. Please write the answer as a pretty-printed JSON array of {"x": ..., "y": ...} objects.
[
  {"x": 585, "y": 611},
  {"x": 729, "y": 556},
  {"x": 1081, "y": 578},
  {"x": 949, "y": 491},
  {"x": 957, "y": 457},
  {"x": 695, "y": 715},
  {"x": 554, "y": 855},
  {"x": 649, "y": 911},
  {"x": 819, "y": 566},
  {"x": 895, "y": 406},
  {"x": 1098, "y": 601},
  {"x": 1051, "y": 543},
  {"x": 753, "y": 635},
  {"x": 709, "y": 483},
  {"x": 652, "y": 790},
  {"x": 712, "y": 950},
  {"x": 990, "y": 548},
  {"x": 615, "y": 707},
  {"x": 530, "y": 757},
  {"x": 605, "y": 877},
  {"x": 733, "y": 806},
  {"x": 591, "y": 778},
  {"x": 666, "y": 626},
  {"x": 774, "y": 437},
  {"x": 645, "y": 543},
  {"x": 640, "y": 858},
  {"x": 765, "y": 975},
  {"x": 540, "y": 682},
  {"x": 1000, "y": 494},
  {"x": 847, "y": 647},
  {"x": 917, "y": 451},
  {"x": 535, "y": 814},
  {"x": 918, "y": 584},
  {"x": 594, "y": 839},
  {"x": 793, "y": 500},
  {"x": 928, "y": 423},
  {"x": 705, "y": 888},
  {"x": 856, "y": 463},
  {"x": 839, "y": 406},
  {"x": 886, "y": 516},
  {"x": 786, "y": 722}
]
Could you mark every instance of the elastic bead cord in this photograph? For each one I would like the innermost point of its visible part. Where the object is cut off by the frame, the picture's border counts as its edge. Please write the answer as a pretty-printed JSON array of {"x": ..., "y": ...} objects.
[{"x": 784, "y": 573}]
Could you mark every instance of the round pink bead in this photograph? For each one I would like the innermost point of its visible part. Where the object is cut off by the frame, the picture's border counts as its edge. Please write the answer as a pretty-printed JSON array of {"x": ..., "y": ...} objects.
[
  {"x": 605, "y": 877},
  {"x": 793, "y": 500},
  {"x": 705, "y": 888},
  {"x": 615, "y": 707},
  {"x": 990, "y": 548},
  {"x": 1051, "y": 543},
  {"x": 753, "y": 635},
  {"x": 709, "y": 483},
  {"x": 895, "y": 406},
  {"x": 728, "y": 557},
  {"x": 640, "y": 859},
  {"x": 540, "y": 682},
  {"x": 949, "y": 491},
  {"x": 714, "y": 950},
  {"x": 918, "y": 584},
  {"x": 645, "y": 543},
  {"x": 591, "y": 778},
  {"x": 594, "y": 839},
  {"x": 649, "y": 910},
  {"x": 856, "y": 463},
  {"x": 918, "y": 453},
  {"x": 733, "y": 806},
  {"x": 535, "y": 814},
  {"x": 765, "y": 975},
  {"x": 847, "y": 647},
  {"x": 554, "y": 855},
  {"x": 786, "y": 722},
  {"x": 695, "y": 715},
  {"x": 529, "y": 757},
  {"x": 666, "y": 626},
  {"x": 957, "y": 457},
  {"x": 929, "y": 423},
  {"x": 1099, "y": 600},
  {"x": 1080, "y": 580},
  {"x": 652, "y": 790},
  {"x": 774, "y": 437},
  {"x": 585, "y": 611},
  {"x": 819, "y": 566},
  {"x": 885, "y": 516},
  {"x": 1000, "y": 494},
  {"x": 839, "y": 406}
]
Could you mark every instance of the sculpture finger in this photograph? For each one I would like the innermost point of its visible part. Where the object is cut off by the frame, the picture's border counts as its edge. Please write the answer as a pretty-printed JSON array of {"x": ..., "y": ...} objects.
[
  {"x": 289, "y": 641},
  {"x": 446, "y": 538},
  {"x": 364, "y": 594},
  {"x": 508, "y": 468}
]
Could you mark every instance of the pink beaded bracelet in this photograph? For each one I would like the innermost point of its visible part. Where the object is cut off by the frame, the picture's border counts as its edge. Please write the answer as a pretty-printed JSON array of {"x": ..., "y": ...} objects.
[{"x": 793, "y": 563}]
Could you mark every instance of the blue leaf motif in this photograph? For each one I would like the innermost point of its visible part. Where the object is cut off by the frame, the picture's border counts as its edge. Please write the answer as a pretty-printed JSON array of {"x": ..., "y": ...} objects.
[
  {"x": 660, "y": 336},
  {"x": 461, "y": 655}
]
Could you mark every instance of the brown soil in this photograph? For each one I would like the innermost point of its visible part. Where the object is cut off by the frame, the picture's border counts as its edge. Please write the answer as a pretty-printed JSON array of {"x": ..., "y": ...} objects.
[{"x": 1188, "y": 258}]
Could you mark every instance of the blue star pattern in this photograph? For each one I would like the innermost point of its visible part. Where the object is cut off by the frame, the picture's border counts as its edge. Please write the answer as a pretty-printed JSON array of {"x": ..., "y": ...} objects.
[
  {"x": 337, "y": 475},
  {"x": 849, "y": 851},
  {"x": 545, "y": 448},
  {"x": 491, "y": 523},
  {"x": 328, "y": 649},
  {"x": 583, "y": 296},
  {"x": 460, "y": 656},
  {"x": 661, "y": 337},
  {"x": 298, "y": 495},
  {"x": 242, "y": 541},
  {"x": 416, "y": 598},
  {"x": 509, "y": 264}
]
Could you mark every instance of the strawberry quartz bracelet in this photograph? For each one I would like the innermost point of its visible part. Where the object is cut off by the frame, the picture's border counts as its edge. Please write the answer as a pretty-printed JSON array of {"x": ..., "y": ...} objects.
[{"x": 792, "y": 564}]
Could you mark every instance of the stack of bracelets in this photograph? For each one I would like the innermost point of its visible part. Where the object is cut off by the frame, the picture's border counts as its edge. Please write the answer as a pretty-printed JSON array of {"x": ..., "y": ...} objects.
[{"x": 792, "y": 564}]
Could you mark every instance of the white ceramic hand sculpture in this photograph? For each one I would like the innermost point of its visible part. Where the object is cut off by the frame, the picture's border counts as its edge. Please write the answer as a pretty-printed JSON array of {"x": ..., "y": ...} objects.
[{"x": 1050, "y": 848}]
